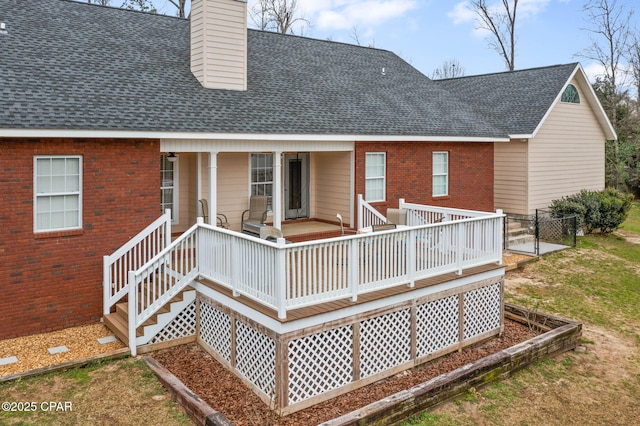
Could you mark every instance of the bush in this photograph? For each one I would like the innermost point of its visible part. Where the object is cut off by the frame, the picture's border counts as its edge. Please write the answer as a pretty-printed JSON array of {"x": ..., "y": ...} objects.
[{"x": 603, "y": 210}]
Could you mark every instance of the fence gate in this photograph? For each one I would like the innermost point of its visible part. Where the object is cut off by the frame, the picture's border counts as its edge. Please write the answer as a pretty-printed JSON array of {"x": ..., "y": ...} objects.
[{"x": 540, "y": 233}]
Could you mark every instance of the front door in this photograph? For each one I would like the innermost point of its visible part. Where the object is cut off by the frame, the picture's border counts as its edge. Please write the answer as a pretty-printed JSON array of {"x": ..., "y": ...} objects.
[{"x": 296, "y": 185}]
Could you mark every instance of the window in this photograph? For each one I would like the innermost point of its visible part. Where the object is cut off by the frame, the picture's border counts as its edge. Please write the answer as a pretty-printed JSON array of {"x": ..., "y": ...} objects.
[
  {"x": 570, "y": 95},
  {"x": 440, "y": 174},
  {"x": 262, "y": 176},
  {"x": 375, "y": 165},
  {"x": 168, "y": 185},
  {"x": 58, "y": 193}
]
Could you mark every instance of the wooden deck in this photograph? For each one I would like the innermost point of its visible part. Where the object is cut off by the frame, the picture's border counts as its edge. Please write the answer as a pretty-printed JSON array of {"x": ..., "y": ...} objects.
[{"x": 297, "y": 314}]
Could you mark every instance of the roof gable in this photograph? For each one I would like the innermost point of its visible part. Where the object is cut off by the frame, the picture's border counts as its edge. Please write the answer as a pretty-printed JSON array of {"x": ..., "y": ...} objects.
[{"x": 520, "y": 101}]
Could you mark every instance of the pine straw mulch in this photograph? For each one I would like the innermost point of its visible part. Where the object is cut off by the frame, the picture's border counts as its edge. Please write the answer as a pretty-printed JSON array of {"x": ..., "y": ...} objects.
[{"x": 226, "y": 393}]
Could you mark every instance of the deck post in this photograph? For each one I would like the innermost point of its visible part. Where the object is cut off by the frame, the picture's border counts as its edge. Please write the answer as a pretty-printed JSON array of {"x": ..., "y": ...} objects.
[
  {"x": 132, "y": 305},
  {"x": 353, "y": 262},
  {"x": 106, "y": 285},
  {"x": 360, "y": 212},
  {"x": 280, "y": 280},
  {"x": 411, "y": 258},
  {"x": 459, "y": 247}
]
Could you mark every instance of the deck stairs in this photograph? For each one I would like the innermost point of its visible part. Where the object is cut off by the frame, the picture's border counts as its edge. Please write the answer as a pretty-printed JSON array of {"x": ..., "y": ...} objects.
[{"x": 117, "y": 321}]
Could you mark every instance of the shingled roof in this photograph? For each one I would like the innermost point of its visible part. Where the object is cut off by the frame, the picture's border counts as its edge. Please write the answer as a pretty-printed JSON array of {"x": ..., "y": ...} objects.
[
  {"x": 515, "y": 101},
  {"x": 73, "y": 66}
]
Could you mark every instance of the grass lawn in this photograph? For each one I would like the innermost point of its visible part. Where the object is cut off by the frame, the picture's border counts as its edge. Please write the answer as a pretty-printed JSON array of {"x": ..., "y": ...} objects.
[
  {"x": 123, "y": 392},
  {"x": 597, "y": 283}
]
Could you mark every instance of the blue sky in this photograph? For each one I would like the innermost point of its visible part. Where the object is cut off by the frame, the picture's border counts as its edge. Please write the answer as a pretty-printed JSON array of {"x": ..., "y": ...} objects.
[{"x": 428, "y": 32}]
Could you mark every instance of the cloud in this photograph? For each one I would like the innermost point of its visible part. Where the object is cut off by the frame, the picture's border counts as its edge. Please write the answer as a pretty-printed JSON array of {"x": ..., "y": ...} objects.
[
  {"x": 462, "y": 13},
  {"x": 346, "y": 14},
  {"x": 594, "y": 70}
]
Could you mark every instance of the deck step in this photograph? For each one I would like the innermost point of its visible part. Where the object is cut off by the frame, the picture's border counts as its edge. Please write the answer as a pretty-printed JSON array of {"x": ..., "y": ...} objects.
[{"x": 117, "y": 321}]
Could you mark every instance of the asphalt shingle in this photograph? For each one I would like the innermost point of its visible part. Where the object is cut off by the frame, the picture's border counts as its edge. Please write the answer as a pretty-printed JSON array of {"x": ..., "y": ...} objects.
[{"x": 68, "y": 65}]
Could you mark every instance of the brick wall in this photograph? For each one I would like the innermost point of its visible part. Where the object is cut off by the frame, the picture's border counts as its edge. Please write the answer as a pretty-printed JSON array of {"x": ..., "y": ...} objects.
[
  {"x": 409, "y": 173},
  {"x": 54, "y": 280}
]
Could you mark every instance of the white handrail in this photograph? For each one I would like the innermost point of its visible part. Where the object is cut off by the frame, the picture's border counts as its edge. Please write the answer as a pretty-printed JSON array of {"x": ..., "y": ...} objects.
[
  {"x": 367, "y": 215},
  {"x": 131, "y": 256}
]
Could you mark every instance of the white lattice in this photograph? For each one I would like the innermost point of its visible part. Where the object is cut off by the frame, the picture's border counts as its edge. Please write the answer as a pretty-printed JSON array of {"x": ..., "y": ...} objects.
[
  {"x": 215, "y": 330},
  {"x": 437, "y": 325},
  {"x": 181, "y": 326},
  {"x": 385, "y": 342},
  {"x": 320, "y": 362},
  {"x": 256, "y": 358},
  {"x": 481, "y": 310}
]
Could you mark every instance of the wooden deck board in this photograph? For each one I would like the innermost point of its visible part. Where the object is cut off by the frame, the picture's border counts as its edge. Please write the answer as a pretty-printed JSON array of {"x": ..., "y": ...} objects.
[{"x": 297, "y": 314}]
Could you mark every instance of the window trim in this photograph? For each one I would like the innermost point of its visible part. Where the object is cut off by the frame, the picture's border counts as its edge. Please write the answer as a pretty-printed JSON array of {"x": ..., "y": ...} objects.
[
  {"x": 383, "y": 177},
  {"x": 577, "y": 94},
  {"x": 175, "y": 211},
  {"x": 434, "y": 175},
  {"x": 252, "y": 183},
  {"x": 36, "y": 195}
]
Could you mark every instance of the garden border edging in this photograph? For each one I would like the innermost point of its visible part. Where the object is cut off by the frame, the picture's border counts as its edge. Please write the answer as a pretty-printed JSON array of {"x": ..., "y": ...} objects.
[{"x": 563, "y": 335}]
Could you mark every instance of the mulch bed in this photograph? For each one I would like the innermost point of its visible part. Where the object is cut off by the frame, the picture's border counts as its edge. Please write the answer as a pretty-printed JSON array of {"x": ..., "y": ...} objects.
[{"x": 226, "y": 393}]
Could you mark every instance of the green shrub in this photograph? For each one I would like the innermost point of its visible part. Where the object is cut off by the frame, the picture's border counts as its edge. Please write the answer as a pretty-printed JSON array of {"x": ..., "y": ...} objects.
[{"x": 603, "y": 210}]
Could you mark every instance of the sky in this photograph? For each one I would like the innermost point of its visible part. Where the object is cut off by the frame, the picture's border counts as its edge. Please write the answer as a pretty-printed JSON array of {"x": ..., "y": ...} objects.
[{"x": 426, "y": 33}]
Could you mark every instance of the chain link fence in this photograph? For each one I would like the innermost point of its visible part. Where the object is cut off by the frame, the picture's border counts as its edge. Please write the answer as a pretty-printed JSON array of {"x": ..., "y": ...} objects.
[{"x": 540, "y": 233}]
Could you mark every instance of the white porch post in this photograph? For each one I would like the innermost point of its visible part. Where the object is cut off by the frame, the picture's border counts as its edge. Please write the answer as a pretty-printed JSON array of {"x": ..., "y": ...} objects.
[
  {"x": 213, "y": 187},
  {"x": 277, "y": 190},
  {"x": 198, "y": 181}
]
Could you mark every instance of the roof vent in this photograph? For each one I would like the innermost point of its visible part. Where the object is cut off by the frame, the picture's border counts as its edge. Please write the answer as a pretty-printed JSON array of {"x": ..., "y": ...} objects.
[{"x": 3, "y": 28}]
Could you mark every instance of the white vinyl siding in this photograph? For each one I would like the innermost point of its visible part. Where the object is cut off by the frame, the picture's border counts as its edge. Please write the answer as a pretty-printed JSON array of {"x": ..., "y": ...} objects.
[
  {"x": 440, "y": 174},
  {"x": 566, "y": 156},
  {"x": 330, "y": 182},
  {"x": 57, "y": 193},
  {"x": 219, "y": 43},
  {"x": 375, "y": 176},
  {"x": 510, "y": 183}
]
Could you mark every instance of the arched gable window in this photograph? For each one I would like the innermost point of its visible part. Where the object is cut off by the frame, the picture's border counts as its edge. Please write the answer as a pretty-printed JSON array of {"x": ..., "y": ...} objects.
[{"x": 570, "y": 95}]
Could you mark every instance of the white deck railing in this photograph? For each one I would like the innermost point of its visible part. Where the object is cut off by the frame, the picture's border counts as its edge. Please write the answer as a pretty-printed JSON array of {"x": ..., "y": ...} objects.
[
  {"x": 161, "y": 279},
  {"x": 367, "y": 215},
  {"x": 131, "y": 256},
  {"x": 289, "y": 276}
]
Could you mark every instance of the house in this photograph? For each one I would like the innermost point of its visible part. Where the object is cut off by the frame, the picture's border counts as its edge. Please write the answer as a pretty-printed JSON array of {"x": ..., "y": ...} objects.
[
  {"x": 557, "y": 131},
  {"x": 112, "y": 117}
]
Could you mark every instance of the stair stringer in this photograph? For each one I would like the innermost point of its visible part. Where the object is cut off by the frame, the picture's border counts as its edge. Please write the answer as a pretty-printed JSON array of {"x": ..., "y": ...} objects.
[{"x": 163, "y": 319}]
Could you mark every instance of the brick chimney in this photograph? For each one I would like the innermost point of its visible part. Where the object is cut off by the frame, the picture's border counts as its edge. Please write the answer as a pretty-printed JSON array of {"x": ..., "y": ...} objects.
[{"x": 219, "y": 43}]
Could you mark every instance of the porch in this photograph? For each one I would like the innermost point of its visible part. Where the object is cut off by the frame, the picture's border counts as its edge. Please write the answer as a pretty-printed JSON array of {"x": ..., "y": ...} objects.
[{"x": 275, "y": 312}]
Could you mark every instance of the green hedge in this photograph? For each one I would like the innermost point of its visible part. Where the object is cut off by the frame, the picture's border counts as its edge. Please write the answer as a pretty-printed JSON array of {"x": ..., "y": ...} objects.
[{"x": 595, "y": 210}]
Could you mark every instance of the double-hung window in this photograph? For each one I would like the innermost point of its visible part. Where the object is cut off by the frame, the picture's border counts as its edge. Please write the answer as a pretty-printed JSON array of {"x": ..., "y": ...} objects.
[
  {"x": 57, "y": 193},
  {"x": 375, "y": 176},
  {"x": 262, "y": 176},
  {"x": 168, "y": 189},
  {"x": 440, "y": 174}
]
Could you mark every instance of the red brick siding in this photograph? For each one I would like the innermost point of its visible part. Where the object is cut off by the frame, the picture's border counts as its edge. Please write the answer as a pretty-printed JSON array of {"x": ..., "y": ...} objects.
[
  {"x": 54, "y": 280},
  {"x": 409, "y": 173}
]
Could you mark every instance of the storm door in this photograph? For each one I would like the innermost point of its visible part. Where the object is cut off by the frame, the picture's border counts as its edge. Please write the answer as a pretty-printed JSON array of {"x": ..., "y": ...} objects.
[{"x": 296, "y": 185}]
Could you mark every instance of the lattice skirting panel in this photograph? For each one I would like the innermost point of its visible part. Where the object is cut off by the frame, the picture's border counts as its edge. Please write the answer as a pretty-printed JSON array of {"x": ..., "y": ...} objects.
[
  {"x": 298, "y": 369},
  {"x": 183, "y": 325}
]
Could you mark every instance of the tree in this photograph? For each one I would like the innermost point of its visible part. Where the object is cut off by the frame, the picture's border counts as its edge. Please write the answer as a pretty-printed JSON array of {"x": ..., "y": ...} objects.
[
  {"x": 449, "y": 69},
  {"x": 610, "y": 23},
  {"x": 100, "y": 2},
  {"x": 142, "y": 5},
  {"x": 278, "y": 15},
  {"x": 501, "y": 23},
  {"x": 181, "y": 5}
]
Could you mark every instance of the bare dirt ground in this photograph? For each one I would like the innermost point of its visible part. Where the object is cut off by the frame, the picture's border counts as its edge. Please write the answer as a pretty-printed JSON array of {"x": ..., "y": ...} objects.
[
  {"x": 598, "y": 387},
  {"x": 226, "y": 393}
]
